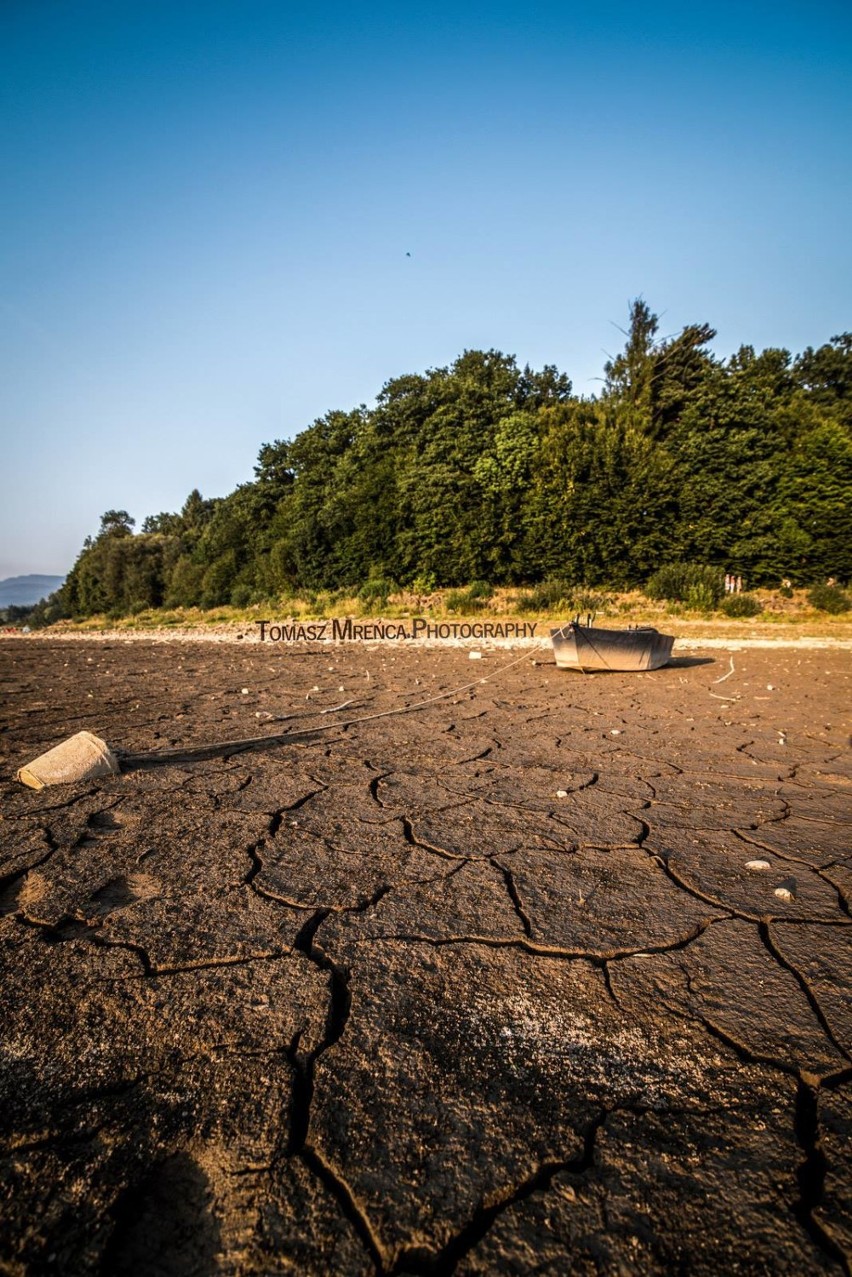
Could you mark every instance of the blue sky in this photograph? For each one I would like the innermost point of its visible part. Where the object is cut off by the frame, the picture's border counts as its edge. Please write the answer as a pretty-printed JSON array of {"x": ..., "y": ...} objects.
[{"x": 207, "y": 210}]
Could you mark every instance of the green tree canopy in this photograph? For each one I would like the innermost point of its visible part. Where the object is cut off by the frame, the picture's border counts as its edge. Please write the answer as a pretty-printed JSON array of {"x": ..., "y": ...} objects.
[{"x": 482, "y": 470}]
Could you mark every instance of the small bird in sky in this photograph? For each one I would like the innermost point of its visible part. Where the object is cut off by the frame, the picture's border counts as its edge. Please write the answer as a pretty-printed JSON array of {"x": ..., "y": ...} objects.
[{"x": 407, "y": 254}]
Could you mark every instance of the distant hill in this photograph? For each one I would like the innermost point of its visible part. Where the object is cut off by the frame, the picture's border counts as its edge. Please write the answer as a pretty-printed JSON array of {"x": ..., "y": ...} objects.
[{"x": 22, "y": 591}]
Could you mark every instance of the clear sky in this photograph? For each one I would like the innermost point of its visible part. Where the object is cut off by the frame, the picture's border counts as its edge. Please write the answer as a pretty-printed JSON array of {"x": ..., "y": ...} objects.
[{"x": 208, "y": 207}]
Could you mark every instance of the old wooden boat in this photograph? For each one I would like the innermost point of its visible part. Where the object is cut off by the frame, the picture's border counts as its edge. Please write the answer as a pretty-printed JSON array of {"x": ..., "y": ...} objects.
[{"x": 588, "y": 647}]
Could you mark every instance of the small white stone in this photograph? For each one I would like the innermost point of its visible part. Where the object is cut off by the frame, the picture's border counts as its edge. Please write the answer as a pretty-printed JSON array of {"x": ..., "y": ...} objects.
[
  {"x": 757, "y": 865},
  {"x": 244, "y": 691},
  {"x": 562, "y": 793},
  {"x": 787, "y": 890},
  {"x": 614, "y": 732},
  {"x": 475, "y": 656}
]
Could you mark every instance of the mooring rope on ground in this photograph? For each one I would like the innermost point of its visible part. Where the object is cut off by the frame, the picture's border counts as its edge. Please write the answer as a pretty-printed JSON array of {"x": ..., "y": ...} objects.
[{"x": 179, "y": 753}]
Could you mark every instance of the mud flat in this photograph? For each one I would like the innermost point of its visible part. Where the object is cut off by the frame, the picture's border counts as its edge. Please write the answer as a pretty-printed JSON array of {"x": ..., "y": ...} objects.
[{"x": 551, "y": 974}]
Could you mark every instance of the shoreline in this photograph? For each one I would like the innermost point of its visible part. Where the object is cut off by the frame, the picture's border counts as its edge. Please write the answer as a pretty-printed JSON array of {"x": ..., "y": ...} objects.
[{"x": 539, "y": 642}]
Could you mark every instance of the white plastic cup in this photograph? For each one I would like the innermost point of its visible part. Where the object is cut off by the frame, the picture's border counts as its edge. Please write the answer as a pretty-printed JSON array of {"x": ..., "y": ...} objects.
[{"x": 81, "y": 757}]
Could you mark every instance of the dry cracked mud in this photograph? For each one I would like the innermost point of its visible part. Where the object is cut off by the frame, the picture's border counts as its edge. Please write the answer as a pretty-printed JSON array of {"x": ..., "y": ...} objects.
[{"x": 549, "y": 975}]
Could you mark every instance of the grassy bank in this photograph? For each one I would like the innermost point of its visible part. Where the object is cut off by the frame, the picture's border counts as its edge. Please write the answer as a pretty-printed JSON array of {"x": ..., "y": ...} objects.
[{"x": 777, "y": 612}]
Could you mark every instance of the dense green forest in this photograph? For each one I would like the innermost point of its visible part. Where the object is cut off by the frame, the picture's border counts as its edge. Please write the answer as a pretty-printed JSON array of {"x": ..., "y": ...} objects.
[{"x": 487, "y": 471}]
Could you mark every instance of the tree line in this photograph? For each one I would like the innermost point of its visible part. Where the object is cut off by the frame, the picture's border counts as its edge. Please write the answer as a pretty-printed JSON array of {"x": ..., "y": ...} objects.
[{"x": 484, "y": 470}]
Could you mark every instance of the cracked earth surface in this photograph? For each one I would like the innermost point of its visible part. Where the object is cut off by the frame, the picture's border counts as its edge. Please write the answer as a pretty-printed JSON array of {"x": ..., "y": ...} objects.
[{"x": 552, "y": 975}]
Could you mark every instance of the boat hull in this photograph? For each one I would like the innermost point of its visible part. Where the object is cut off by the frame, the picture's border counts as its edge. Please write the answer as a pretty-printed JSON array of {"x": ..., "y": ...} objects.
[{"x": 582, "y": 647}]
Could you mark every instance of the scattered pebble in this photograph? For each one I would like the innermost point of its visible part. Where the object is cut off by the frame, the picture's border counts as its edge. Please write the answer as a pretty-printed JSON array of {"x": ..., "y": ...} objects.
[
  {"x": 475, "y": 656},
  {"x": 562, "y": 793},
  {"x": 244, "y": 691},
  {"x": 615, "y": 731},
  {"x": 787, "y": 890},
  {"x": 758, "y": 864}
]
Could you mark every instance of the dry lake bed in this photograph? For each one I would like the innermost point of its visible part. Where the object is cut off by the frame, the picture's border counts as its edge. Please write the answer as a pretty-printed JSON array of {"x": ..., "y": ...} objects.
[{"x": 549, "y": 975}]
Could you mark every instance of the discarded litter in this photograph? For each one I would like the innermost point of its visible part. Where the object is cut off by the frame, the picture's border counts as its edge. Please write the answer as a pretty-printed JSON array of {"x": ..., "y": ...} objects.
[
  {"x": 84, "y": 756},
  {"x": 81, "y": 757}
]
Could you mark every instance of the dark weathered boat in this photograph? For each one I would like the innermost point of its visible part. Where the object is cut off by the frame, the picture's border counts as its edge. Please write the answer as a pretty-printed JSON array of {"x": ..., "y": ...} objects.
[{"x": 588, "y": 647}]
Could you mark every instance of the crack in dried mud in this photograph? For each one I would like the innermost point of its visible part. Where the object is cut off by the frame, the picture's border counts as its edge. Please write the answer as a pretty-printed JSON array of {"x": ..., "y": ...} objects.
[{"x": 503, "y": 901}]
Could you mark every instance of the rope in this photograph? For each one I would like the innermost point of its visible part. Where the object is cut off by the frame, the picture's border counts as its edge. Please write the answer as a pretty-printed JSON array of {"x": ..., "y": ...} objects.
[{"x": 256, "y": 742}]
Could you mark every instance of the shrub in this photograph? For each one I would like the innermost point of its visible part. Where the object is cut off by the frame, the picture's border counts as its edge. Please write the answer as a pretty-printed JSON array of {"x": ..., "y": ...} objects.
[
  {"x": 829, "y": 598},
  {"x": 378, "y": 590},
  {"x": 470, "y": 600},
  {"x": 456, "y": 601},
  {"x": 545, "y": 596},
  {"x": 695, "y": 584},
  {"x": 739, "y": 605},
  {"x": 588, "y": 601},
  {"x": 701, "y": 597}
]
